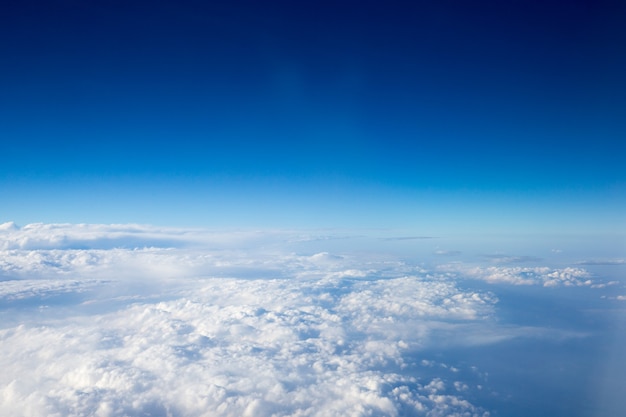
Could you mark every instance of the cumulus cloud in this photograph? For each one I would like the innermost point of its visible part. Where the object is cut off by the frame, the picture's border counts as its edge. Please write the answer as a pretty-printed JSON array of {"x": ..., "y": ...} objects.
[
  {"x": 197, "y": 323},
  {"x": 240, "y": 347},
  {"x": 545, "y": 276},
  {"x": 8, "y": 227},
  {"x": 217, "y": 325}
]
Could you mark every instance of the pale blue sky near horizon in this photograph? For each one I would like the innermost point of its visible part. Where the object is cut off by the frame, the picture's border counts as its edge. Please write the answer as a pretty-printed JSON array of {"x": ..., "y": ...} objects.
[{"x": 265, "y": 204}]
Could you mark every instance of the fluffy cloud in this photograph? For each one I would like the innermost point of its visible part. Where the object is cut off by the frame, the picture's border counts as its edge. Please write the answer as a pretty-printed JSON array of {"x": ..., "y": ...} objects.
[
  {"x": 132, "y": 320},
  {"x": 239, "y": 347},
  {"x": 545, "y": 276},
  {"x": 217, "y": 325}
]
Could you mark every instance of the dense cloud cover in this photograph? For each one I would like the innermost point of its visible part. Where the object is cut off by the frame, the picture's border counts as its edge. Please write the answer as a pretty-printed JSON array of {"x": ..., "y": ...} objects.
[{"x": 133, "y": 320}]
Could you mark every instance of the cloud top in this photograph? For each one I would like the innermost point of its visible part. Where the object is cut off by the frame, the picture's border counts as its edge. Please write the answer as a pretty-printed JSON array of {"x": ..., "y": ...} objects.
[
  {"x": 543, "y": 276},
  {"x": 241, "y": 324},
  {"x": 232, "y": 347}
]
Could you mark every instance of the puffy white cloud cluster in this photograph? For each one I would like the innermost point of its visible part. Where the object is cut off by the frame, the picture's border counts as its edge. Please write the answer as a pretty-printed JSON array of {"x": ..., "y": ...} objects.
[
  {"x": 129, "y": 320},
  {"x": 544, "y": 276},
  {"x": 220, "y": 328},
  {"x": 240, "y": 347},
  {"x": 66, "y": 236}
]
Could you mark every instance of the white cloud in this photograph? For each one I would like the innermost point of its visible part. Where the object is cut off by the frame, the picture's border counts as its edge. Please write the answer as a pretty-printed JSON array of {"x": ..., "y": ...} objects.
[
  {"x": 443, "y": 252},
  {"x": 8, "y": 227},
  {"x": 545, "y": 276},
  {"x": 108, "y": 236},
  {"x": 24, "y": 289},
  {"x": 508, "y": 259},
  {"x": 603, "y": 262},
  {"x": 238, "y": 347},
  {"x": 218, "y": 324}
]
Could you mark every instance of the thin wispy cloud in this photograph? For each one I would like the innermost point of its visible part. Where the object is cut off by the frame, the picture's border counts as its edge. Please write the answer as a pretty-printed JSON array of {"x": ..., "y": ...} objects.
[
  {"x": 407, "y": 238},
  {"x": 442, "y": 252},
  {"x": 602, "y": 262},
  {"x": 501, "y": 258}
]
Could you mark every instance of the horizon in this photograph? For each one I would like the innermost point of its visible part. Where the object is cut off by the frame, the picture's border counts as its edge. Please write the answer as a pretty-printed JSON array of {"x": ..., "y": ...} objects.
[{"x": 312, "y": 209}]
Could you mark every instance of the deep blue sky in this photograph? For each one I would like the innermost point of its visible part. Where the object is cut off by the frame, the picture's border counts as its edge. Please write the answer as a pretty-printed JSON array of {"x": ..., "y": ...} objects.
[{"x": 314, "y": 113}]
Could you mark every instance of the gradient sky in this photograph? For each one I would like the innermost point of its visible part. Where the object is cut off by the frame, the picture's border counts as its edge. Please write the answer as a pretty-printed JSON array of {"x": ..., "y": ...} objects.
[{"x": 437, "y": 116}]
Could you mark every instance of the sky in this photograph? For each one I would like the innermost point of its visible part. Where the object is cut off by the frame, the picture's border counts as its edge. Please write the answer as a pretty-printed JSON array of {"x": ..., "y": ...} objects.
[
  {"x": 439, "y": 117},
  {"x": 298, "y": 208}
]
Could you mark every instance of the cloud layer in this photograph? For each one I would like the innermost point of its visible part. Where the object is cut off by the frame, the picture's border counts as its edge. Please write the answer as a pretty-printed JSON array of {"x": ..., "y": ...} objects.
[
  {"x": 544, "y": 276},
  {"x": 242, "y": 347},
  {"x": 195, "y": 323}
]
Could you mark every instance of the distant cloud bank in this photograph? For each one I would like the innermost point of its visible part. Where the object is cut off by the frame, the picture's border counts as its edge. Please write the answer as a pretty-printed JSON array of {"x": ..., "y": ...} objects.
[{"x": 544, "y": 276}]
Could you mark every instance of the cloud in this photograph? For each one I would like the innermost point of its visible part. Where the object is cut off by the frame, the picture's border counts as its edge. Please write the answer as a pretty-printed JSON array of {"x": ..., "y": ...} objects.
[
  {"x": 129, "y": 236},
  {"x": 544, "y": 276},
  {"x": 407, "y": 238},
  {"x": 499, "y": 258},
  {"x": 86, "y": 236},
  {"x": 603, "y": 262},
  {"x": 218, "y": 325},
  {"x": 8, "y": 227},
  {"x": 248, "y": 323},
  {"x": 240, "y": 347},
  {"x": 442, "y": 252},
  {"x": 27, "y": 289}
]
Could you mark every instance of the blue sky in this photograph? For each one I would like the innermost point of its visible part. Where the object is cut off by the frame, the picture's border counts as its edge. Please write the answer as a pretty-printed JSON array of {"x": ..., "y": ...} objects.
[{"x": 440, "y": 117}]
